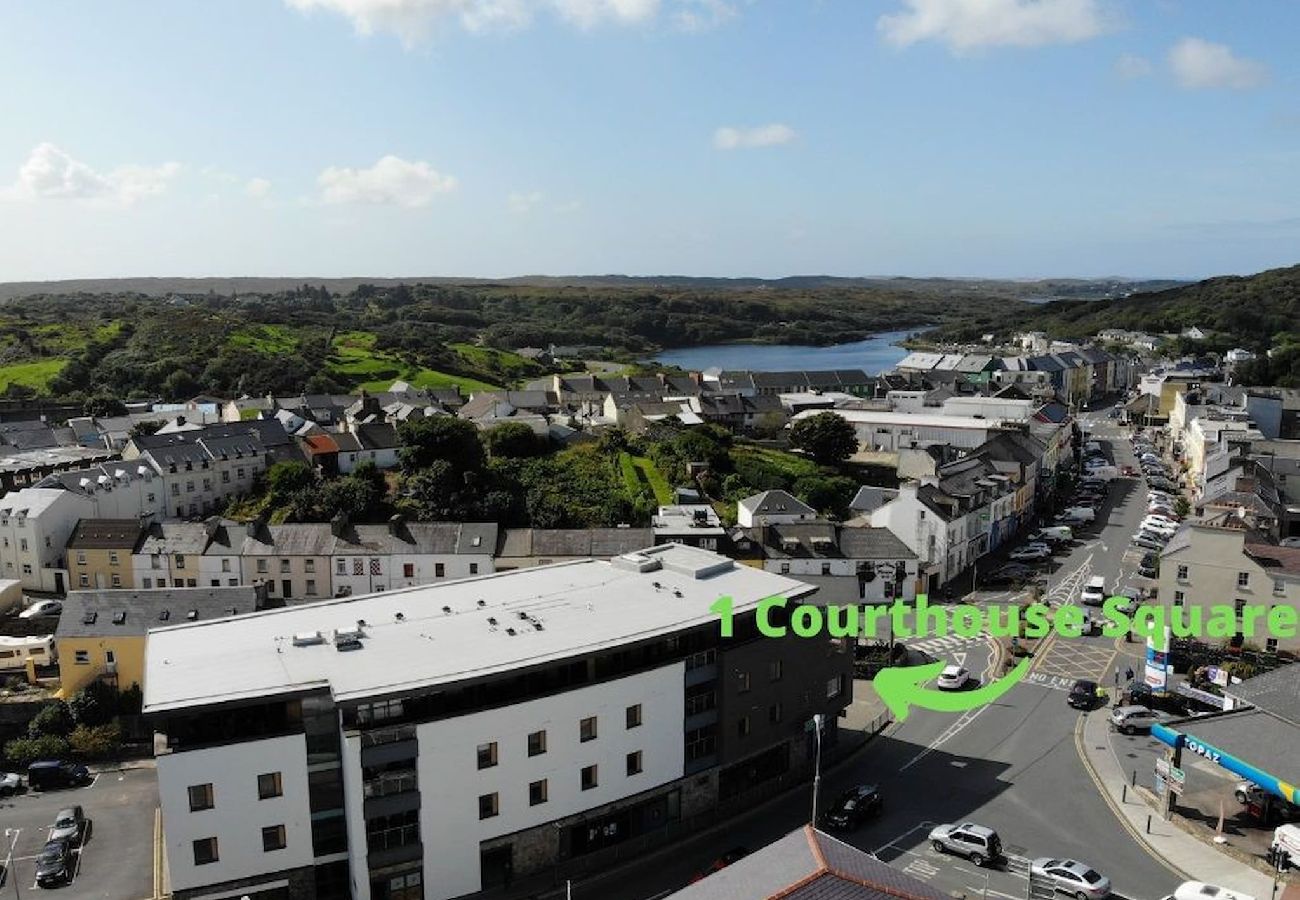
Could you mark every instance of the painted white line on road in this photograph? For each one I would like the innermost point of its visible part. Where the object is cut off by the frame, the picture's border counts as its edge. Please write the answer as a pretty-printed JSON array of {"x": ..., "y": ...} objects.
[
  {"x": 952, "y": 731},
  {"x": 927, "y": 826}
]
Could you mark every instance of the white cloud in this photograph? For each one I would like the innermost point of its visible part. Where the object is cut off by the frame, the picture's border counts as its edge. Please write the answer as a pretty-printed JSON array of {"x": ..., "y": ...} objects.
[
  {"x": 412, "y": 20},
  {"x": 1201, "y": 64},
  {"x": 51, "y": 174},
  {"x": 970, "y": 24},
  {"x": 521, "y": 204},
  {"x": 727, "y": 138},
  {"x": 702, "y": 15},
  {"x": 391, "y": 180},
  {"x": 257, "y": 188},
  {"x": 1130, "y": 66}
]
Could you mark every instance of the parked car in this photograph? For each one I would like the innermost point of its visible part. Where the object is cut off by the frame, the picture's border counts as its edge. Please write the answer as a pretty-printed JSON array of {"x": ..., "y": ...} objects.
[
  {"x": 10, "y": 783},
  {"x": 1034, "y": 553},
  {"x": 1199, "y": 890},
  {"x": 953, "y": 678},
  {"x": 1069, "y": 876},
  {"x": 854, "y": 807},
  {"x": 1148, "y": 571},
  {"x": 69, "y": 825},
  {"x": 1083, "y": 694},
  {"x": 1147, "y": 543},
  {"x": 1161, "y": 520},
  {"x": 1049, "y": 536},
  {"x": 56, "y": 773},
  {"x": 54, "y": 864},
  {"x": 1246, "y": 791},
  {"x": 1132, "y": 719},
  {"x": 977, "y": 843},
  {"x": 1011, "y": 573},
  {"x": 1081, "y": 513},
  {"x": 42, "y": 608},
  {"x": 733, "y": 855}
]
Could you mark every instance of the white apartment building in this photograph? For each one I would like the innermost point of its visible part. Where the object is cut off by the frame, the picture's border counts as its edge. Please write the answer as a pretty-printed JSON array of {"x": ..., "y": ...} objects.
[
  {"x": 889, "y": 432},
  {"x": 437, "y": 741}
]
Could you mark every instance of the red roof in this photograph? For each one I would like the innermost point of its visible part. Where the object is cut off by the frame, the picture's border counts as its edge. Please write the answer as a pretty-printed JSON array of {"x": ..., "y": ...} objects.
[{"x": 320, "y": 443}]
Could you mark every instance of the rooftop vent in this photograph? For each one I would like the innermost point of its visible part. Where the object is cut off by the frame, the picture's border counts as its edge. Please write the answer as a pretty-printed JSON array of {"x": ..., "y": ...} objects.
[
  {"x": 492, "y": 620},
  {"x": 401, "y": 617},
  {"x": 446, "y": 610},
  {"x": 164, "y": 615},
  {"x": 119, "y": 618},
  {"x": 538, "y": 626},
  {"x": 192, "y": 615},
  {"x": 344, "y": 644},
  {"x": 511, "y": 632},
  {"x": 482, "y": 603},
  {"x": 89, "y": 618},
  {"x": 308, "y": 638},
  {"x": 522, "y": 614},
  {"x": 361, "y": 623}
]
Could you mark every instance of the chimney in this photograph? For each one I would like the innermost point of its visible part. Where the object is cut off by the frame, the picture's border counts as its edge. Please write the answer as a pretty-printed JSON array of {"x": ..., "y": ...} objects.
[
  {"x": 395, "y": 525},
  {"x": 210, "y": 526},
  {"x": 338, "y": 523},
  {"x": 254, "y": 526},
  {"x": 180, "y": 420}
]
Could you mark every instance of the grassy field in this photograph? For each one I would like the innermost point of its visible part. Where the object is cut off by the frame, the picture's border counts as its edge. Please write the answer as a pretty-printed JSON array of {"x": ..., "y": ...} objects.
[
  {"x": 509, "y": 365},
  {"x": 265, "y": 338},
  {"x": 789, "y": 465},
  {"x": 640, "y": 474},
  {"x": 356, "y": 359},
  {"x": 35, "y": 375}
]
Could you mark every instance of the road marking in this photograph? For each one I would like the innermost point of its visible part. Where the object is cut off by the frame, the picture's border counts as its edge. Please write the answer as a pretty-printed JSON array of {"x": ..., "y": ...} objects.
[
  {"x": 921, "y": 868},
  {"x": 952, "y": 731}
]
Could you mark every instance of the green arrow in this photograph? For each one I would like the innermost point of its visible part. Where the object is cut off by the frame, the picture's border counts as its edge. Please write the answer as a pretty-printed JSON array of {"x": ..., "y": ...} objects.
[{"x": 901, "y": 689}]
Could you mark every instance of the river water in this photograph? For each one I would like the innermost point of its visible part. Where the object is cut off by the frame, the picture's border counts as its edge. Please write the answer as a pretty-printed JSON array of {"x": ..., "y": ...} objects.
[{"x": 875, "y": 354}]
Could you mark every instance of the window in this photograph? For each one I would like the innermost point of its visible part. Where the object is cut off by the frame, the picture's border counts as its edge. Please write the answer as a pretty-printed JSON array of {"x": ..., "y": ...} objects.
[
  {"x": 147, "y": 583},
  {"x": 589, "y": 780},
  {"x": 488, "y": 806},
  {"x": 834, "y": 687},
  {"x": 375, "y": 567},
  {"x": 81, "y": 557},
  {"x": 473, "y": 568},
  {"x": 634, "y": 763},
  {"x": 22, "y": 544},
  {"x": 439, "y": 570},
  {"x": 701, "y": 742},
  {"x": 340, "y": 567},
  {"x": 112, "y": 558},
  {"x": 742, "y": 726},
  {"x": 180, "y": 560},
  {"x": 311, "y": 587},
  {"x": 232, "y": 582},
  {"x": 117, "y": 580},
  {"x": 537, "y": 743},
  {"x": 239, "y": 473},
  {"x": 634, "y": 716},
  {"x": 27, "y": 568},
  {"x": 389, "y": 832},
  {"x": 587, "y": 730},
  {"x": 743, "y": 687},
  {"x": 1279, "y": 586},
  {"x": 261, "y": 567},
  {"x": 269, "y": 785},
  {"x": 774, "y": 713},
  {"x": 1243, "y": 579},
  {"x": 358, "y": 566},
  {"x": 408, "y": 570},
  {"x": 176, "y": 489},
  {"x": 699, "y": 699},
  {"x": 487, "y": 755},
  {"x": 309, "y": 566},
  {"x": 1178, "y": 598},
  {"x": 273, "y": 838},
  {"x": 200, "y": 797},
  {"x": 180, "y": 582},
  {"x": 155, "y": 561},
  {"x": 1182, "y": 573},
  {"x": 537, "y": 793},
  {"x": 225, "y": 476},
  {"x": 785, "y": 568},
  {"x": 189, "y": 487},
  {"x": 826, "y": 568},
  {"x": 284, "y": 567},
  {"x": 225, "y": 565},
  {"x": 775, "y": 670},
  {"x": 406, "y": 887},
  {"x": 205, "y": 851},
  {"x": 1270, "y": 645},
  {"x": 207, "y": 484},
  {"x": 84, "y": 580},
  {"x": 81, "y": 657},
  {"x": 191, "y": 582}
]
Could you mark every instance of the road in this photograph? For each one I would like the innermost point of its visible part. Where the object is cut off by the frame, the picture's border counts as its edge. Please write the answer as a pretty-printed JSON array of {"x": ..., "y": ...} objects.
[{"x": 1013, "y": 765}]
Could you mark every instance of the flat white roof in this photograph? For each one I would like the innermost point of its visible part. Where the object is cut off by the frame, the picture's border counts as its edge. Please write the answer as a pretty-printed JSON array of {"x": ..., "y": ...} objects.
[
  {"x": 583, "y": 607},
  {"x": 930, "y": 420}
]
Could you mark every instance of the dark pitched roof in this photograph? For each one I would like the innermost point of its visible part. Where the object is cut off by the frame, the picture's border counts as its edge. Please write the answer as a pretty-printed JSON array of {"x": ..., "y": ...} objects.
[
  {"x": 377, "y": 436},
  {"x": 1276, "y": 692},
  {"x": 809, "y": 865},
  {"x": 561, "y": 543},
  {"x": 105, "y": 534},
  {"x": 133, "y": 613},
  {"x": 777, "y": 502}
]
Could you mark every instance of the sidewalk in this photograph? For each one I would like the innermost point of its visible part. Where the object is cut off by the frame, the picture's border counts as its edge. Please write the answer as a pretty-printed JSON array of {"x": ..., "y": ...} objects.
[{"x": 1193, "y": 859}]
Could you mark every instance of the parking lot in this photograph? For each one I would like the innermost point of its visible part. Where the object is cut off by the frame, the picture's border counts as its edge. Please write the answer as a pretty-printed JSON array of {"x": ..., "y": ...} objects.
[{"x": 116, "y": 860}]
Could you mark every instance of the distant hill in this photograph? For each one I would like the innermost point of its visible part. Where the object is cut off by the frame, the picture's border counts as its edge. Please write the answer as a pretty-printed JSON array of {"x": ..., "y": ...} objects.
[{"x": 1063, "y": 288}]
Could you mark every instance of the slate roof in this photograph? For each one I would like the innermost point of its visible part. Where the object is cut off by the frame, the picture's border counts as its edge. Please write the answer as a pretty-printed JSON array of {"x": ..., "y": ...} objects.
[
  {"x": 562, "y": 543},
  {"x": 105, "y": 534},
  {"x": 1274, "y": 558},
  {"x": 776, "y": 502},
  {"x": 377, "y": 436},
  {"x": 808, "y": 864},
  {"x": 873, "y": 543},
  {"x": 91, "y": 613},
  {"x": 174, "y": 537},
  {"x": 1255, "y": 736},
  {"x": 1276, "y": 692}
]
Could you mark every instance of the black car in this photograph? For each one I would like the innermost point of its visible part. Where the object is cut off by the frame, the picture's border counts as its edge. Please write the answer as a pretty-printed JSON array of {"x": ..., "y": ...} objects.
[
  {"x": 1148, "y": 571},
  {"x": 45, "y": 774},
  {"x": 854, "y": 807},
  {"x": 1011, "y": 573},
  {"x": 1083, "y": 695},
  {"x": 54, "y": 865}
]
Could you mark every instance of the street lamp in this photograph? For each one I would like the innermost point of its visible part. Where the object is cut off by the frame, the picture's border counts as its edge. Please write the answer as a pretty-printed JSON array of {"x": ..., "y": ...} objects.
[{"x": 817, "y": 765}]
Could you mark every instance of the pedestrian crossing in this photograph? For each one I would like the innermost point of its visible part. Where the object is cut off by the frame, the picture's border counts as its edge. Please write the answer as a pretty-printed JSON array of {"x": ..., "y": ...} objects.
[{"x": 945, "y": 646}]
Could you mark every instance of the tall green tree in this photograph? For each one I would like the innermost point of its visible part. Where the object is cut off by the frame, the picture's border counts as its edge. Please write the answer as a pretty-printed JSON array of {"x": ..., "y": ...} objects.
[
  {"x": 455, "y": 441},
  {"x": 826, "y": 437}
]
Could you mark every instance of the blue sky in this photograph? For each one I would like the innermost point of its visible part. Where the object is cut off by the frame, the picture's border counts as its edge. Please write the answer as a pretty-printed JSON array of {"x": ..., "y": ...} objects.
[{"x": 1013, "y": 138}]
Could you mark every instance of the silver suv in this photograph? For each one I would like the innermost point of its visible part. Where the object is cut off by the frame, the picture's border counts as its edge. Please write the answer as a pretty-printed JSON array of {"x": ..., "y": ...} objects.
[
  {"x": 1132, "y": 719},
  {"x": 975, "y": 842}
]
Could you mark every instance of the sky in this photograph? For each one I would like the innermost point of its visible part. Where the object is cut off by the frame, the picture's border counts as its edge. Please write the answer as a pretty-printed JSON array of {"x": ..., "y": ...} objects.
[{"x": 1000, "y": 138}]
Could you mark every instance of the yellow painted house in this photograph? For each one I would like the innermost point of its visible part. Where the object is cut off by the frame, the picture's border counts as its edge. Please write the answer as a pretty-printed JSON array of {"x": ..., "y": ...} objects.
[
  {"x": 99, "y": 553},
  {"x": 101, "y": 634}
]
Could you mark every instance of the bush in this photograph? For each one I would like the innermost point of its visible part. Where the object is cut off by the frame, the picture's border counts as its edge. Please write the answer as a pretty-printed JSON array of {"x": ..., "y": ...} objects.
[
  {"x": 97, "y": 742},
  {"x": 95, "y": 704},
  {"x": 826, "y": 437},
  {"x": 22, "y": 752},
  {"x": 53, "y": 719}
]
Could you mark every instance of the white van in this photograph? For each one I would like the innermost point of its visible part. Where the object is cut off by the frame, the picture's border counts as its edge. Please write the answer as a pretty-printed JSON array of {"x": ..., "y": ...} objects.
[
  {"x": 1287, "y": 837},
  {"x": 1094, "y": 592},
  {"x": 1199, "y": 890},
  {"x": 1058, "y": 532}
]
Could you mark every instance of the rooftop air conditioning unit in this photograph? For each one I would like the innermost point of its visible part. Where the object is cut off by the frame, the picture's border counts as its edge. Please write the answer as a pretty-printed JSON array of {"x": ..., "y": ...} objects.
[{"x": 308, "y": 638}]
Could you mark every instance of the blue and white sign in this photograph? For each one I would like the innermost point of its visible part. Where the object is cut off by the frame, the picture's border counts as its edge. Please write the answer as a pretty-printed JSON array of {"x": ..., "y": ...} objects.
[{"x": 1156, "y": 672}]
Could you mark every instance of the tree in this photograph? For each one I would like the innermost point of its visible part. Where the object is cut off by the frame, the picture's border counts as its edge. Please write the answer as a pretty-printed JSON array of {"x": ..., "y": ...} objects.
[
  {"x": 826, "y": 437},
  {"x": 179, "y": 385},
  {"x": 53, "y": 719},
  {"x": 438, "y": 492},
  {"x": 22, "y": 752},
  {"x": 286, "y": 478},
  {"x": 101, "y": 406},
  {"x": 1182, "y": 507},
  {"x": 513, "y": 439},
  {"x": 93, "y": 705},
  {"x": 455, "y": 441},
  {"x": 96, "y": 742},
  {"x": 144, "y": 429}
]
